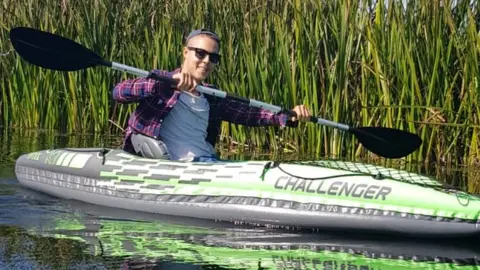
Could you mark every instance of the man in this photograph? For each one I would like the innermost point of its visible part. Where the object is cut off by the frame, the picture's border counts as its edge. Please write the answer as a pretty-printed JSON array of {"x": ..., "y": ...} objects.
[{"x": 181, "y": 123}]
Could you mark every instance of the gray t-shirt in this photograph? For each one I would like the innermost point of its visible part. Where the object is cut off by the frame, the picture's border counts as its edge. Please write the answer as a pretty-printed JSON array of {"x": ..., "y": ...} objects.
[{"x": 184, "y": 130}]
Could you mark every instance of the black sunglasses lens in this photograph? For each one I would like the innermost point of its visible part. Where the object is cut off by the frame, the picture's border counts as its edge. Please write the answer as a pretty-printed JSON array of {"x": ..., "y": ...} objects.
[
  {"x": 200, "y": 54},
  {"x": 214, "y": 58}
]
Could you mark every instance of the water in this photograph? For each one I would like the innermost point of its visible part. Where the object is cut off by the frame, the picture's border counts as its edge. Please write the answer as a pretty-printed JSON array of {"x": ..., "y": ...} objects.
[{"x": 41, "y": 232}]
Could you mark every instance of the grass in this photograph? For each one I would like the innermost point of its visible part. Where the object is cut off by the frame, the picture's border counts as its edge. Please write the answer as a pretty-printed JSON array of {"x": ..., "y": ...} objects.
[{"x": 364, "y": 63}]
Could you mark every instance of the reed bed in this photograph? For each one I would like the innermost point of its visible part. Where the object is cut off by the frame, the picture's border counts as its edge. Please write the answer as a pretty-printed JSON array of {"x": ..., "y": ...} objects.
[{"x": 412, "y": 65}]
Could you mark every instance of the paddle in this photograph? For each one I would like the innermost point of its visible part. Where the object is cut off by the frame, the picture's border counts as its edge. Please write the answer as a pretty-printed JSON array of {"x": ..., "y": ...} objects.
[{"x": 51, "y": 51}]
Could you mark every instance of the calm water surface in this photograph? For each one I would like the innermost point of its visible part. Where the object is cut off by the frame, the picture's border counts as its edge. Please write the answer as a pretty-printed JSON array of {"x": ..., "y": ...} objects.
[{"x": 41, "y": 232}]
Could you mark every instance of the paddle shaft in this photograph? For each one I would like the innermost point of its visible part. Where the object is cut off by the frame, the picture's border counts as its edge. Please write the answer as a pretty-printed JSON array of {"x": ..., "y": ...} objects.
[{"x": 222, "y": 94}]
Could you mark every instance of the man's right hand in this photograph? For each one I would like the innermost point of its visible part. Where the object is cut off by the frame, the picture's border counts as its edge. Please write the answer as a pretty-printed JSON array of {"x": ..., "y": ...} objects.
[{"x": 185, "y": 82}]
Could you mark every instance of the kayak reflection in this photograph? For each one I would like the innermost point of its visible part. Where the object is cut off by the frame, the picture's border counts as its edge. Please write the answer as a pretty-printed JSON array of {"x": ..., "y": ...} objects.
[{"x": 146, "y": 241}]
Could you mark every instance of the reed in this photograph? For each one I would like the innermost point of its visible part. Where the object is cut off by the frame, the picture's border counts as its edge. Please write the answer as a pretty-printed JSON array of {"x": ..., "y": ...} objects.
[{"x": 412, "y": 66}]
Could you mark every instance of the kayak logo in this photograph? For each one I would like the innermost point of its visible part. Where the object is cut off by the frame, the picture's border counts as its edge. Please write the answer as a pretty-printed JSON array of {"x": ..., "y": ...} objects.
[
  {"x": 292, "y": 262},
  {"x": 335, "y": 188}
]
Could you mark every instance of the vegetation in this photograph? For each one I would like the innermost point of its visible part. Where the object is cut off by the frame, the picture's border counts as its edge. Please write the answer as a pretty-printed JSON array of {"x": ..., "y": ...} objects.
[{"x": 411, "y": 65}]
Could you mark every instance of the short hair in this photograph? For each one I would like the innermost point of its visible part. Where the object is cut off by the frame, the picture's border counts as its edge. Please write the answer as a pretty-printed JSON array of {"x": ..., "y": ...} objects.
[{"x": 202, "y": 31}]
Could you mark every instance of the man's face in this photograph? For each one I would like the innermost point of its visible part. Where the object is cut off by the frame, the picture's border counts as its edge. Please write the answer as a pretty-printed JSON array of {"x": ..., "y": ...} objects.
[{"x": 200, "y": 57}]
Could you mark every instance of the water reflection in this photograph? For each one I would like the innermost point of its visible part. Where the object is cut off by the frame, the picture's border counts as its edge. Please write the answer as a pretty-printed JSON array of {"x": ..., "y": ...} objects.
[
  {"x": 15, "y": 142},
  {"x": 92, "y": 235}
]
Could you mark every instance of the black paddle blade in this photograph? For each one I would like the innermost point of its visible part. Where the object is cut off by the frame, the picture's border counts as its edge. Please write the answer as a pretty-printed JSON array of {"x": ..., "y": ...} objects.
[
  {"x": 51, "y": 51},
  {"x": 387, "y": 142}
]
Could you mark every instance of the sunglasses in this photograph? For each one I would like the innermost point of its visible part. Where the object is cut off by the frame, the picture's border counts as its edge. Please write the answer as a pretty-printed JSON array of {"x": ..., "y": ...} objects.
[{"x": 201, "y": 53}]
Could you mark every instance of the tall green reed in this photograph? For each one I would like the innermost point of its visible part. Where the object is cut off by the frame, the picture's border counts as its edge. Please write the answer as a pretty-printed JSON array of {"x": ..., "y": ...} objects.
[{"x": 365, "y": 63}]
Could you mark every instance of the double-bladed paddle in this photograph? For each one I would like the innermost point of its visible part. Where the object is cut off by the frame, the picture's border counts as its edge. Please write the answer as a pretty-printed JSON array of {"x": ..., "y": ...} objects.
[{"x": 52, "y": 51}]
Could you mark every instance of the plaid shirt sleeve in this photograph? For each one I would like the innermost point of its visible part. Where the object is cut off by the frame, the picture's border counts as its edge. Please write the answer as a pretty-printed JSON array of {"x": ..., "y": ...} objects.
[
  {"x": 134, "y": 89},
  {"x": 240, "y": 113}
]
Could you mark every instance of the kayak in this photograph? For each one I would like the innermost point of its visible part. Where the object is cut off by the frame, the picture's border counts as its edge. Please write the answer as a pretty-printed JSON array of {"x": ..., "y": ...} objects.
[{"x": 321, "y": 195}]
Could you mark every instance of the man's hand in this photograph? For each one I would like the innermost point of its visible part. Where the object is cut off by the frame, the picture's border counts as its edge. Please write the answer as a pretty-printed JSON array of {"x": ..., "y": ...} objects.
[
  {"x": 185, "y": 82},
  {"x": 303, "y": 114}
]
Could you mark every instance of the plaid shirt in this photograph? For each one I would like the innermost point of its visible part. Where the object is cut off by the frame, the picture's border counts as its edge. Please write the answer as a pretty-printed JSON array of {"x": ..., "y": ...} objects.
[{"x": 156, "y": 99}]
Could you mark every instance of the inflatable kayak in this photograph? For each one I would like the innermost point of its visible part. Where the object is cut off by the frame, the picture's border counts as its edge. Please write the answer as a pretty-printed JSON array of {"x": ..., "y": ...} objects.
[{"x": 323, "y": 195}]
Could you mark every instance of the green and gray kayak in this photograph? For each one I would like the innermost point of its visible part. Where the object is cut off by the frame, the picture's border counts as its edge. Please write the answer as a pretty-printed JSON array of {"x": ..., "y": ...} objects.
[{"x": 321, "y": 195}]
